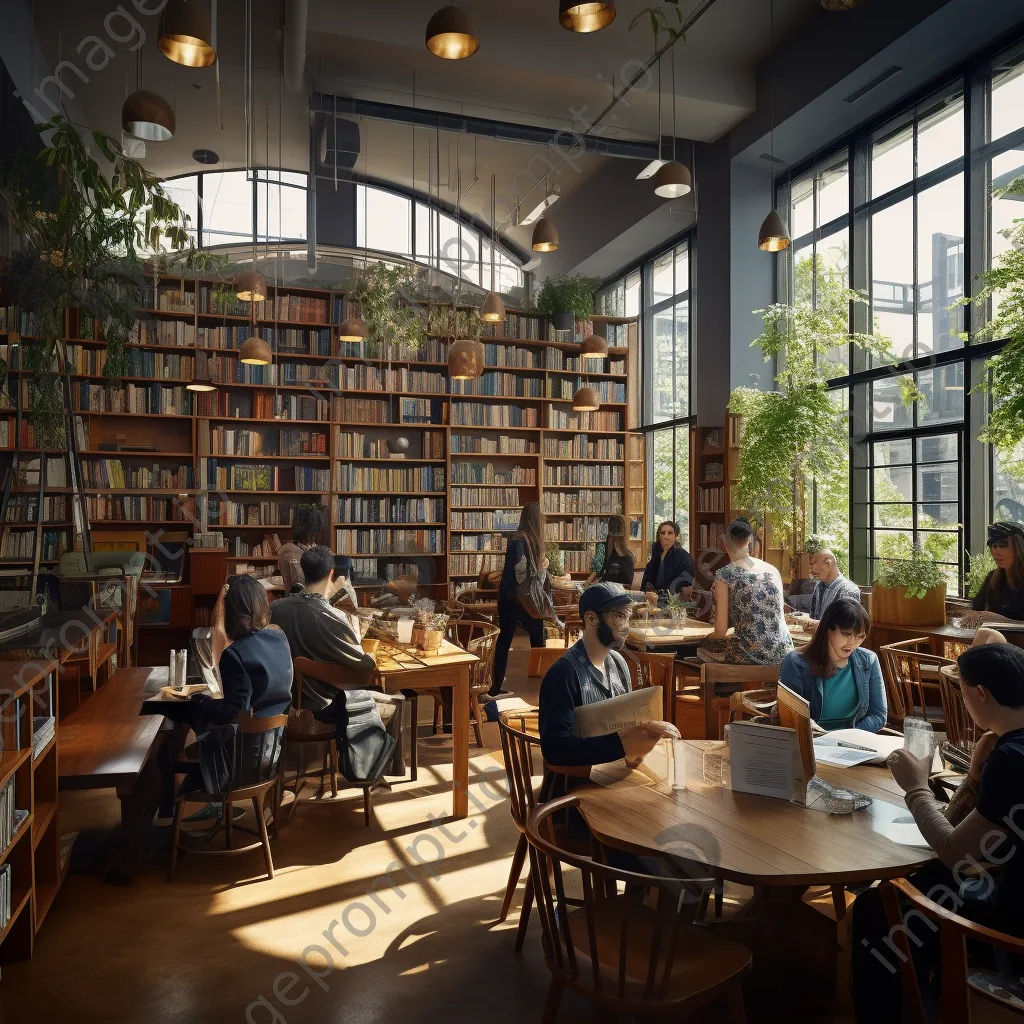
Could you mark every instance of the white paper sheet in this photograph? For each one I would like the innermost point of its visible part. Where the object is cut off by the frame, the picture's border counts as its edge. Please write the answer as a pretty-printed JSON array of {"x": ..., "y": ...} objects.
[
  {"x": 764, "y": 759},
  {"x": 904, "y": 831},
  {"x": 841, "y": 757},
  {"x": 882, "y": 745}
]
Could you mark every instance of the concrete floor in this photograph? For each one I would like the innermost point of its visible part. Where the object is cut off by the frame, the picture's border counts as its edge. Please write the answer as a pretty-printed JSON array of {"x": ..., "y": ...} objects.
[{"x": 330, "y": 939}]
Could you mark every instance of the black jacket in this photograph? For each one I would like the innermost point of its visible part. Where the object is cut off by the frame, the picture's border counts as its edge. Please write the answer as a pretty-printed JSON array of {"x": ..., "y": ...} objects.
[
  {"x": 680, "y": 569},
  {"x": 256, "y": 674}
]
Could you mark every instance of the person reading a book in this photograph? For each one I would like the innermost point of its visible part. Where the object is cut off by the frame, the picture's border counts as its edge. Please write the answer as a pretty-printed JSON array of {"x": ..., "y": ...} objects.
[
  {"x": 987, "y": 831},
  {"x": 670, "y": 567},
  {"x": 617, "y": 565},
  {"x": 593, "y": 670},
  {"x": 840, "y": 679},
  {"x": 747, "y": 595},
  {"x": 309, "y": 527},
  {"x": 830, "y": 585},
  {"x": 1001, "y": 598}
]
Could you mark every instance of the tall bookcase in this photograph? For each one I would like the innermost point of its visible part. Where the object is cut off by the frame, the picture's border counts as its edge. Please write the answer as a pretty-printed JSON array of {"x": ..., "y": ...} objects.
[{"x": 413, "y": 470}]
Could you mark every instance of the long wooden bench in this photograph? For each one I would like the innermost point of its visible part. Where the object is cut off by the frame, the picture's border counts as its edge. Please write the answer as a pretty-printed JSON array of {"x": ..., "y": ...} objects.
[{"x": 106, "y": 744}]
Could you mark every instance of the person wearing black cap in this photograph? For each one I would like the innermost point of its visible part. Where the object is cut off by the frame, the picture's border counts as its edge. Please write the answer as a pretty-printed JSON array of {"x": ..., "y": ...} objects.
[
  {"x": 593, "y": 670},
  {"x": 1001, "y": 598}
]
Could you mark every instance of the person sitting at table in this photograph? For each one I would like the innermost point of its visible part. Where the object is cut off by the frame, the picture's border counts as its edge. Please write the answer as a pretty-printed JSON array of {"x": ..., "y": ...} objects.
[
  {"x": 617, "y": 566},
  {"x": 841, "y": 680},
  {"x": 592, "y": 670},
  {"x": 830, "y": 585},
  {"x": 992, "y": 683},
  {"x": 748, "y": 595},
  {"x": 1001, "y": 598},
  {"x": 309, "y": 527},
  {"x": 670, "y": 567}
]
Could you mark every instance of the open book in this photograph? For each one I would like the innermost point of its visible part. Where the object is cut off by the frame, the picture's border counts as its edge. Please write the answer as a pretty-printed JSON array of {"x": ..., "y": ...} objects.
[
  {"x": 841, "y": 747},
  {"x": 183, "y": 692}
]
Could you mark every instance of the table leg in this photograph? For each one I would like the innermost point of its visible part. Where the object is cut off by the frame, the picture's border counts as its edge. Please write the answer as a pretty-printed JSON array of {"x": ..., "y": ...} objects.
[
  {"x": 710, "y": 711},
  {"x": 460, "y": 743},
  {"x": 139, "y": 802}
]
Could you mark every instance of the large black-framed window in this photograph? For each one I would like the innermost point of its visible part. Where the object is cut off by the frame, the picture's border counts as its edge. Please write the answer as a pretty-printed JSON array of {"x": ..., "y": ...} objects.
[{"x": 907, "y": 212}]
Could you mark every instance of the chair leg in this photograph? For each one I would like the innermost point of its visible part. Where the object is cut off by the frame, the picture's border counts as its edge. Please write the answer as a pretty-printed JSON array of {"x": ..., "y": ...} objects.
[
  {"x": 474, "y": 706},
  {"x": 719, "y": 896},
  {"x": 366, "y": 806},
  {"x": 228, "y": 819},
  {"x": 524, "y": 914},
  {"x": 257, "y": 806},
  {"x": 552, "y": 1003},
  {"x": 839, "y": 901},
  {"x": 332, "y": 757},
  {"x": 414, "y": 744},
  {"x": 437, "y": 715},
  {"x": 518, "y": 859},
  {"x": 179, "y": 811},
  {"x": 278, "y": 786}
]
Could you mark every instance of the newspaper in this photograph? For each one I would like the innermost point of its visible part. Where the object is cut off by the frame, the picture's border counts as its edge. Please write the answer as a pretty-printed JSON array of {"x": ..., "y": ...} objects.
[{"x": 617, "y": 713}]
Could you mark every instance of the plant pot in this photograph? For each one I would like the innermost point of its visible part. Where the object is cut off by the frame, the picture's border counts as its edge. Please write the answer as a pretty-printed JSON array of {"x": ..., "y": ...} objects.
[
  {"x": 563, "y": 321},
  {"x": 892, "y": 606},
  {"x": 427, "y": 639}
]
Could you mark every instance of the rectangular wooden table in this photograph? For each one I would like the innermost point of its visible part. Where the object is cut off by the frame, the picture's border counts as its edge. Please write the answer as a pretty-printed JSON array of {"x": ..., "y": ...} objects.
[
  {"x": 448, "y": 667},
  {"x": 106, "y": 744}
]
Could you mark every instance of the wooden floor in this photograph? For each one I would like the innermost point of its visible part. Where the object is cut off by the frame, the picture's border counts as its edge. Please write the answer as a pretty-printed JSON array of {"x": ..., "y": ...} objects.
[{"x": 330, "y": 939}]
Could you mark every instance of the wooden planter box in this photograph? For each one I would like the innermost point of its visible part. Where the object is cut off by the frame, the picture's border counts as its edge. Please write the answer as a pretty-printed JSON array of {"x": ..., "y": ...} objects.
[{"x": 892, "y": 606}]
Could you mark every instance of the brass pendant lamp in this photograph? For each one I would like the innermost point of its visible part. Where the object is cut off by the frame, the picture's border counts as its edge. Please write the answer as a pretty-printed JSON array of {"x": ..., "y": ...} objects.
[
  {"x": 187, "y": 33},
  {"x": 465, "y": 355},
  {"x": 545, "y": 236},
  {"x": 585, "y": 17},
  {"x": 353, "y": 329},
  {"x": 673, "y": 179},
  {"x": 594, "y": 347},
  {"x": 250, "y": 285},
  {"x": 202, "y": 379},
  {"x": 451, "y": 34},
  {"x": 773, "y": 236},
  {"x": 493, "y": 309},
  {"x": 148, "y": 116}
]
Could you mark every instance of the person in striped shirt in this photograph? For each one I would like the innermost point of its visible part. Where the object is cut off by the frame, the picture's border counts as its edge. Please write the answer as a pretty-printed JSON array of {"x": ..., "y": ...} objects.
[{"x": 830, "y": 586}]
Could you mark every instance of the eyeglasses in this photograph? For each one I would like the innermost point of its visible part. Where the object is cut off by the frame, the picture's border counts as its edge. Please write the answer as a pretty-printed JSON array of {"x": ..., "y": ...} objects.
[{"x": 619, "y": 614}]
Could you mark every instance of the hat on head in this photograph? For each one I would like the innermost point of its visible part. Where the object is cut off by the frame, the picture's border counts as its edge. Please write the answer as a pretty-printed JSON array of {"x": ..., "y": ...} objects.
[
  {"x": 999, "y": 533},
  {"x": 602, "y": 597}
]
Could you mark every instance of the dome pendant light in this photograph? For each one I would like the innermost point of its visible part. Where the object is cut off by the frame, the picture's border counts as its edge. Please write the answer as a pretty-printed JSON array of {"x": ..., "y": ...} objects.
[
  {"x": 545, "y": 236},
  {"x": 202, "y": 380},
  {"x": 773, "y": 236},
  {"x": 586, "y": 399},
  {"x": 147, "y": 116},
  {"x": 255, "y": 351},
  {"x": 353, "y": 329},
  {"x": 250, "y": 286},
  {"x": 451, "y": 34},
  {"x": 673, "y": 179},
  {"x": 587, "y": 17},
  {"x": 594, "y": 347},
  {"x": 465, "y": 359},
  {"x": 186, "y": 33}
]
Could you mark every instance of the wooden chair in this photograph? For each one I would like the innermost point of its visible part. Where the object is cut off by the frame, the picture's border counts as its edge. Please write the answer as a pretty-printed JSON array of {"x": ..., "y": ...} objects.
[
  {"x": 911, "y": 676},
  {"x": 718, "y": 682},
  {"x": 542, "y": 658},
  {"x": 304, "y": 730},
  {"x": 647, "y": 668},
  {"x": 753, "y": 705},
  {"x": 961, "y": 732},
  {"x": 626, "y": 955},
  {"x": 477, "y": 638},
  {"x": 959, "y": 982},
  {"x": 478, "y": 604},
  {"x": 256, "y": 763}
]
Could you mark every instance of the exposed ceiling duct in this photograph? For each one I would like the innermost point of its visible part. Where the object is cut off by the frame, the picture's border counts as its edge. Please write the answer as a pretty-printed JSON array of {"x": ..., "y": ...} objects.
[
  {"x": 296, "y": 19},
  {"x": 335, "y": 144}
]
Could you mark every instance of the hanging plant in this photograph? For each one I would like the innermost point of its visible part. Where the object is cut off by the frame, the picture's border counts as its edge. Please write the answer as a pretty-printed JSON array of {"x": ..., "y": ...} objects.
[
  {"x": 394, "y": 322},
  {"x": 85, "y": 234}
]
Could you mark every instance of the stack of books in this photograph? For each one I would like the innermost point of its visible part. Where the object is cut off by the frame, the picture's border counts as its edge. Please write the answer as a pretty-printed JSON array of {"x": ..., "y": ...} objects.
[{"x": 43, "y": 729}]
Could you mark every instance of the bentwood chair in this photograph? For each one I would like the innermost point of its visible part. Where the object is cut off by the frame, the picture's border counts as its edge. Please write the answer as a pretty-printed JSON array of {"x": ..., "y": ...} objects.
[
  {"x": 479, "y": 638},
  {"x": 255, "y": 773},
  {"x": 625, "y": 954},
  {"x": 963, "y": 988},
  {"x": 961, "y": 732},
  {"x": 648, "y": 668},
  {"x": 911, "y": 676}
]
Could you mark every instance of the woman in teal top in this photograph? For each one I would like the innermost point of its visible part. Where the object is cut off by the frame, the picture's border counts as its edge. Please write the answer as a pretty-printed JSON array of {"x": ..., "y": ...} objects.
[{"x": 840, "y": 679}]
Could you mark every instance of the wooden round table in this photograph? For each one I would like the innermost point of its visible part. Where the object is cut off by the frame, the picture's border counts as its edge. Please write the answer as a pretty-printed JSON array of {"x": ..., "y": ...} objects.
[{"x": 778, "y": 848}]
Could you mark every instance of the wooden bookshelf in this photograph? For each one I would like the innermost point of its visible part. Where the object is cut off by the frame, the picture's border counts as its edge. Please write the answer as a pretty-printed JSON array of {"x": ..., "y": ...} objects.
[
  {"x": 380, "y": 442},
  {"x": 28, "y": 765}
]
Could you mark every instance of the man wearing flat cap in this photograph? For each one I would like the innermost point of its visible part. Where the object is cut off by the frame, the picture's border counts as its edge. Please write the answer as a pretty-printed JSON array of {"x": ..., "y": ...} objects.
[
  {"x": 593, "y": 670},
  {"x": 1001, "y": 598}
]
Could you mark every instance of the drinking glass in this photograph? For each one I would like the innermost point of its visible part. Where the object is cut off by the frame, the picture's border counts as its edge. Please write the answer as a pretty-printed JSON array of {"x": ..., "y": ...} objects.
[
  {"x": 918, "y": 737},
  {"x": 405, "y": 631}
]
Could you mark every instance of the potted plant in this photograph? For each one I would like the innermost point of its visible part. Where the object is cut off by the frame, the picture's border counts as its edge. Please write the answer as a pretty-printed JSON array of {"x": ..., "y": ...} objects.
[
  {"x": 566, "y": 299},
  {"x": 796, "y": 437},
  {"x": 979, "y": 566},
  {"x": 909, "y": 591}
]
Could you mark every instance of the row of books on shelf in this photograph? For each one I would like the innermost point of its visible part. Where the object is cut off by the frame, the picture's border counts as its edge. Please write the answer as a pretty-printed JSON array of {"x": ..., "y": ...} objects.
[
  {"x": 171, "y": 297},
  {"x": 112, "y": 473},
  {"x": 711, "y": 499},
  {"x": 390, "y": 510},
  {"x": 44, "y": 728},
  {"x": 135, "y": 508},
  {"x": 583, "y": 476},
  {"x": 21, "y": 544},
  {"x": 130, "y": 398},
  {"x": 514, "y": 356},
  {"x": 478, "y": 542},
  {"x": 266, "y": 548},
  {"x": 710, "y": 535},
  {"x": 499, "y": 384},
  {"x": 713, "y": 471},
  {"x": 15, "y": 320},
  {"x": 559, "y": 359},
  {"x": 462, "y": 445},
  {"x": 261, "y": 477},
  {"x": 591, "y": 502},
  {"x": 307, "y": 342},
  {"x": 429, "y": 350},
  {"x": 482, "y": 497},
  {"x": 518, "y": 325},
  {"x": 582, "y": 447},
  {"x": 375, "y": 410},
  {"x": 476, "y": 473},
  {"x": 476, "y": 414},
  {"x": 585, "y": 529},
  {"x": 350, "y": 444},
  {"x": 503, "y": 520},
  {"x": 563, "y": 388},
  {"x": 24, "y": 508},
  {"x": 289, "y": 441},
  {"x": 53, "y": 467},
  {"x": 260, "y": 406},
  {"x": 6, "y": 894},
  {"x": 598, "y": 420},
  {"x": 372, "y": 378},
  {"x": 465, "y": 565},
  {"x": 389, "y": 541},
  {"x": 228, "y": 370},
  {"x": 11, "y": 817},
  {"x": 224, "y": 513},
  {"x": 387, "y": 478},
  {"x": 138, "y": 363},
  {"x": 577, "y": 559},
  {"x": 471, "y": 564}
]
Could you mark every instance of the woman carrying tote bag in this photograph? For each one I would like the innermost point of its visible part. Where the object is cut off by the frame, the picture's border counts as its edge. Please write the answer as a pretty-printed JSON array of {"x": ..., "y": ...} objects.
[{"x": 524, "y": 594}]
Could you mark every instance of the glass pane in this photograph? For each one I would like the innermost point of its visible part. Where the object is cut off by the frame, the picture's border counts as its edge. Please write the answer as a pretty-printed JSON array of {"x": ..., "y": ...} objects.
[
  {"x": 682, "y": 488},
  {"x": 382, "y": 221},
  {"x": 227, "y": 207},
  {"x": 1007, "y": 493},
  {"x": 185, "y": 192},
  {"x": 284, "y": 177},
  {"x": 940, "y": 136},
  {"x": 633, "y": 294},
  {"x": 802, "y": 216},
  {"x": 662, "y": 278},
  {"x": 280, "y": 212},
  {"x": 1008, "y": 102},
  {"x": 1005, "y": 211},
  {"x": 893, "y": 516},
  {"x": 832, "y": 279},
  {"x": 893, "y": 543},
  {"x": 940, "y": 266},
  {"x": 662, "y": 366},
  {"x": 943, "y": 402},
  {"x": 682, "y": 360},
  {"x": 939, "y": 482},
  {"x": 887, "y": 409},
  {"x": 941, "y": 516},
  {"x": 834, "y": 191},
  {"x": 892, "y": 275},
  {"x": 682, "y": 269},
  {"x": 803, "y": 276},
  {"x": 893, "y": 453},
  {"x": 945, "y": 547},
  {"x": 425, "y": 244},
  {"x": 940, "y": 448},
  {"x": 892, "y": 161},
  {"x": 663, "y": 463}
]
